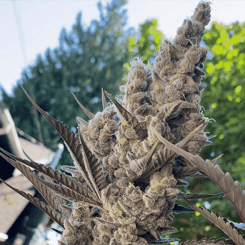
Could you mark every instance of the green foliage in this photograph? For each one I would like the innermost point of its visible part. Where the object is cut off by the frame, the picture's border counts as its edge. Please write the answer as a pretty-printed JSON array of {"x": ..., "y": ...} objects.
[
  {"x": 147, "y": 43},
  {"x": 86, "y": 60},
  {"x": 224, "y": 100}
]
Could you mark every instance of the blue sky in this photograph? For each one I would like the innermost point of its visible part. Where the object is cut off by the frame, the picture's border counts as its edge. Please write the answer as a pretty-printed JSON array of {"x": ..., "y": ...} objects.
[{"x": 42, "y": 21}]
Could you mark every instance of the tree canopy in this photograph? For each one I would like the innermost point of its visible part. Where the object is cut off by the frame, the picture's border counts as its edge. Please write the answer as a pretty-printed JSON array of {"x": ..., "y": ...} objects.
[
  {"x": 86, "y": 60},
  {"x": 224, "y": 101}
]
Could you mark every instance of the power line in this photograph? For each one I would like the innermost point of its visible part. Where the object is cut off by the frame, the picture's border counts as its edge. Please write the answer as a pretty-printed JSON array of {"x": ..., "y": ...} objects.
[
  {"x": 20, "y": 32},
  {"x": 23, "y": 49}
]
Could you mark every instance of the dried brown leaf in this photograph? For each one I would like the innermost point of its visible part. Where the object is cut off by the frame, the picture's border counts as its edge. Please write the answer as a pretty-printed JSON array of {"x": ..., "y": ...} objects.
[
  {"x": 167, "y": 154},
  {"x": 70, "y": 194},
  {"x": 86, "y": 111},
  {"x": 228, "y": 228},
  {"x": 103, "y": 99},
  {"x": 72, "y": 142},
  {"x": 45, "y": 208},
  {"x": 93, "y": 167},
  {"x": 129, "y": 118},
  {"x": 42, "y": 185},
  {"x": 233, "y": 191},
  {"x": 62, "y": 178},
  {"x": 43, "y": 190}
]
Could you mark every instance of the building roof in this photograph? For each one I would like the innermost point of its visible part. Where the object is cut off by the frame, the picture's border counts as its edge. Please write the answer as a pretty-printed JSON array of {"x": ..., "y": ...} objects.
[{"x": 11, "y": 203}]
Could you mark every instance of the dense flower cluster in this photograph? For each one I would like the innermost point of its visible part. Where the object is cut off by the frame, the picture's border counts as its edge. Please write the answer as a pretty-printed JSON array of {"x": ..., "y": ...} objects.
[
  {"x": 142, "y": 174},
  {"x": 130, "y": 158}
]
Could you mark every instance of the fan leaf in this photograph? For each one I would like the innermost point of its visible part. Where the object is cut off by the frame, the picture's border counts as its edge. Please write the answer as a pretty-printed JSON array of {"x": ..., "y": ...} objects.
[
  {"x": 228, "y": 228},
  {"x": 72, "y": 142},
  {"x": 42, "y": 189},
  {"x": 70, "y": 194},
  {"x": 62, "y": 178},
  {"x": 45, "y": 208},
  {"x": 233, "y": 191},
  {"x": 42, "y": 185},
  {"x": 166, "y": 154},
  {"x": 93, "y": 166}
]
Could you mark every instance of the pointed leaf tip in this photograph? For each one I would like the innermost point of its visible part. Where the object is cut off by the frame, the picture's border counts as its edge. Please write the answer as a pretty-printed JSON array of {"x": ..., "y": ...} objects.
[
  {"x": 103, "y": 99},
  {"x": 81, "y": 121},
  {"x": 180, "y": 145},
  {"x": 228, "y": 228},
  {"x": 128, "y": 117},
  {"x": 87, "y": 158},
  {"x": 86, "y": 111},
  {"x": 175, "y": 148},
  {"x": 121, "y": 110},
  {"x": 72, "y": 142},
  {"x": 217, "y": 158},
  {"x": 92, "y": 165}
]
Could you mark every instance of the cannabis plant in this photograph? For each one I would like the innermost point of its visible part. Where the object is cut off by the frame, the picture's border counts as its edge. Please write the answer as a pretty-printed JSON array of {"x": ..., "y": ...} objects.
[{"x": 130, "y": 158}]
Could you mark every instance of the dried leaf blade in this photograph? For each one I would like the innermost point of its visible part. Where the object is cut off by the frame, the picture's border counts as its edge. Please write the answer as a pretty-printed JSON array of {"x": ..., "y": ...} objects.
[
  {"x": 45, "y": 208},
  {"x": 94, "y": 166},
  {"x": 228, "y": 228},
  {"x": 103, "y": 99},
  {"x": 233, "y": 191},
  {"x": 62, "y": 178},
  {"x": 86, "y": 111},
  {"x": 72, "y": 142}
]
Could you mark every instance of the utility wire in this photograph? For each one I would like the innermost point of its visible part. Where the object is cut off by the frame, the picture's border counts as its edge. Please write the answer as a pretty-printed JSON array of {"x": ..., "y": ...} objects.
[
  {"x": 20, "y": 32},
  {"x": 23, "y": 49}
]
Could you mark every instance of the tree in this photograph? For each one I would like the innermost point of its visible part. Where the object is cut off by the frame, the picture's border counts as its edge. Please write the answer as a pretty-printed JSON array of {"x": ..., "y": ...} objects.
[
  {"x": 86, "y": 60},
  {"x": 146, "y": 43},
  {"x": 224, "y": 100}
]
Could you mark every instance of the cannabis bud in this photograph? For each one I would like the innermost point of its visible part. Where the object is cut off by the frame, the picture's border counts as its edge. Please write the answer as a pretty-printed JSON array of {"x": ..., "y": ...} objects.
[{"x": 130, "y": 158}]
